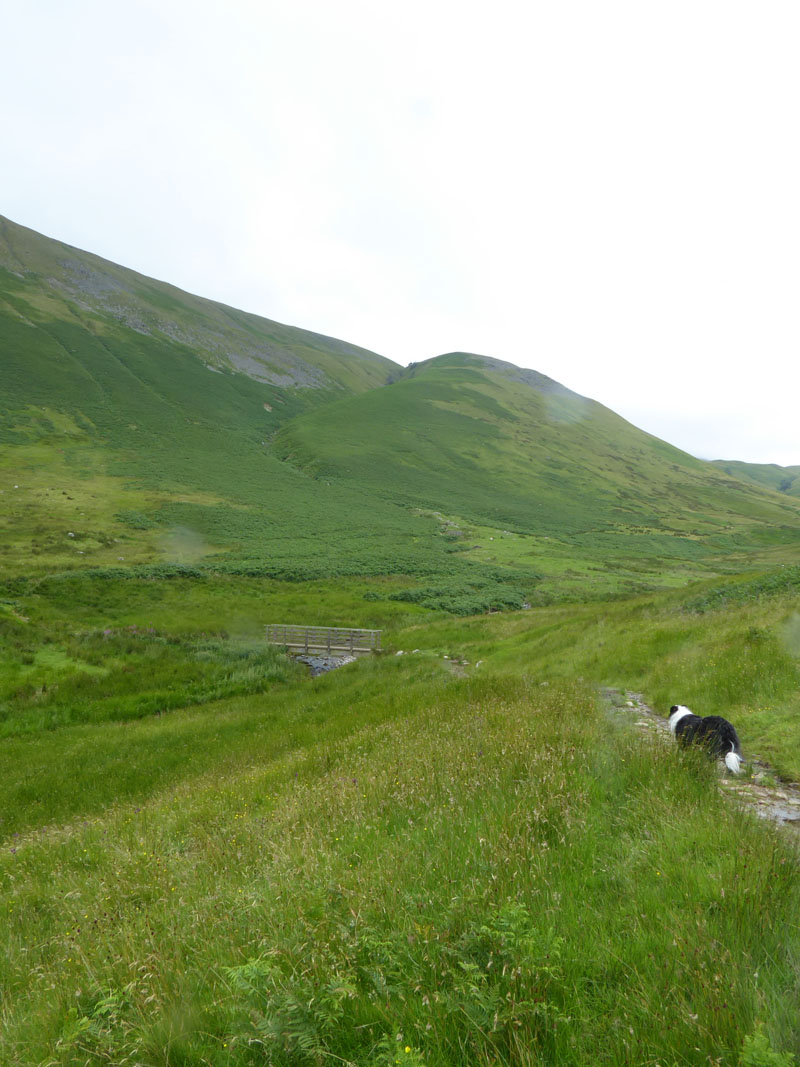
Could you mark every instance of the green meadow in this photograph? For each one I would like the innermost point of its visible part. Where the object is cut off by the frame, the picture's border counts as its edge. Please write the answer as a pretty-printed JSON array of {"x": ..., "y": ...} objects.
[
  {"x": 451, "y": 856},
  {"x": 451, "y": 853}
]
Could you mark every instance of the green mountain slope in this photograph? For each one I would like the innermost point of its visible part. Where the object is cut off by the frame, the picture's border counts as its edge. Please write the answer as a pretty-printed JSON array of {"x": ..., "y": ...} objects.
[
  {"x": 769, "y": 475},
  {"x": 135, "y": 422},
  {"x": 143, "y": 425},
  {"x": 44, "y": 279},
  {"x": 183, "y": 389},
  {"x": 499, "y": 447}
]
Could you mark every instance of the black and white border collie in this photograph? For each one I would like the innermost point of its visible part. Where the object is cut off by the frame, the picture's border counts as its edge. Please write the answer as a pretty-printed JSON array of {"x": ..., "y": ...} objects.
[{"x": 716, "y": 735}]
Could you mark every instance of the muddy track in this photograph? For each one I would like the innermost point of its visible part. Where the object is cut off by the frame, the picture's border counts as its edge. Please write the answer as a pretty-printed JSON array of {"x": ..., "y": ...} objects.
[{"x": 759, "y": 788}]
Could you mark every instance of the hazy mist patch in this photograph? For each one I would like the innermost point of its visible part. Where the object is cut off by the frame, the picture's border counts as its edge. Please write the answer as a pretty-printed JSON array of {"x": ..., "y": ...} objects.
[
  {"x": 566, "y": 409},
  {"x": 790, "y": 634},
  {"x": 183, "y": 545}
]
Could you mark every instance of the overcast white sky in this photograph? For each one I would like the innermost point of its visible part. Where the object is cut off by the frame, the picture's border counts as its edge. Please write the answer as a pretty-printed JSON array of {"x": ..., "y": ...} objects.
[{"x": 605, "y": 190}]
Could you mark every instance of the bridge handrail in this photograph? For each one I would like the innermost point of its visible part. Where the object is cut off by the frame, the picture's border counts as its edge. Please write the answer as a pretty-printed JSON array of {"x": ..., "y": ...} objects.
[{"x": 354, "y": 639}]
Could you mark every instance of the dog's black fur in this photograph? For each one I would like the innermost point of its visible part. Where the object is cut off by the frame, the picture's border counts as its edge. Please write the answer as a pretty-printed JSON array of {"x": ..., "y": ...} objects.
[{"x": 714, "y": 733}]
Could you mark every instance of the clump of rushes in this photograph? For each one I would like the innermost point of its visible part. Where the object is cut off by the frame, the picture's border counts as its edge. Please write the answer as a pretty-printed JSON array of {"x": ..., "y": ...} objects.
[{"x": 487, "y": 877}]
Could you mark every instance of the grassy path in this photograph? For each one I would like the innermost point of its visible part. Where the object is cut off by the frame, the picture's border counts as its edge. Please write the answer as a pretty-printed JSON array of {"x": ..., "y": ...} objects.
[{"x": 759, "y": 789}]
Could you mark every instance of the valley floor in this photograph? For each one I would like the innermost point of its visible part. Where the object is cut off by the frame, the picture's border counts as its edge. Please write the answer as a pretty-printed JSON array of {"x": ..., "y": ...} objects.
[{"x": 394, "y": 862}]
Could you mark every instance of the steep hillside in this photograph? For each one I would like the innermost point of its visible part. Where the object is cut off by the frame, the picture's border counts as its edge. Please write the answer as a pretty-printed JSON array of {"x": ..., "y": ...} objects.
[
  {"x": 143, "y": 425},
  {"x": 135, "y": 421},
  {"x": 43, "y": 280},
  {"x": 769, "y": 475},
  {"x": 492, "y": 445}
]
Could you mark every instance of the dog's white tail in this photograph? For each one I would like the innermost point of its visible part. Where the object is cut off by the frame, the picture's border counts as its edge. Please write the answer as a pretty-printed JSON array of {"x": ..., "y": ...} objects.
[{"x": 732, "y": 761}]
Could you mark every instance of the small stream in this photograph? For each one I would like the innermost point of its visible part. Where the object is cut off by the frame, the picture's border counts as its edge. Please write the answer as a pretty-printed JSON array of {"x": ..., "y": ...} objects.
[{"x": 323, "y": 664}]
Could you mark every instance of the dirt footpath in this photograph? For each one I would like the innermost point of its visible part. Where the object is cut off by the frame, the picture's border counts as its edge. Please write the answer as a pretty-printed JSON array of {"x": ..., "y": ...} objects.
[{"x": 759, "y": 788}]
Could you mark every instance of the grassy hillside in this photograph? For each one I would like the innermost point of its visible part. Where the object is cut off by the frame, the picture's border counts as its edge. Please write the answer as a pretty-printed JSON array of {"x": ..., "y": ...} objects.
[
  {"x": 47, "y": 281},
  {"x": 770, "y": 475},
  {"x": 129, "y": 440},
  {"x": 142, "y": 426},
  {"x": 127, "y": 437},
  {"x": 562, "y": 482}
]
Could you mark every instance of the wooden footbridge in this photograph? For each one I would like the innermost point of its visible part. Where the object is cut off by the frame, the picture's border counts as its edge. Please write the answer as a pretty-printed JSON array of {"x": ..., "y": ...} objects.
[{"x": 333, "y": 640}]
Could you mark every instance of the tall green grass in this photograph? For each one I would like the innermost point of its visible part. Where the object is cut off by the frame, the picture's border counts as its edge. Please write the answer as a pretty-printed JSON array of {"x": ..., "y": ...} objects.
[
  {"x": 492, "y": 877},
  {"x": 306, "y": 869},
  {"x": 93, "y": 670},
  {"x": 730, "y": 648}
]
